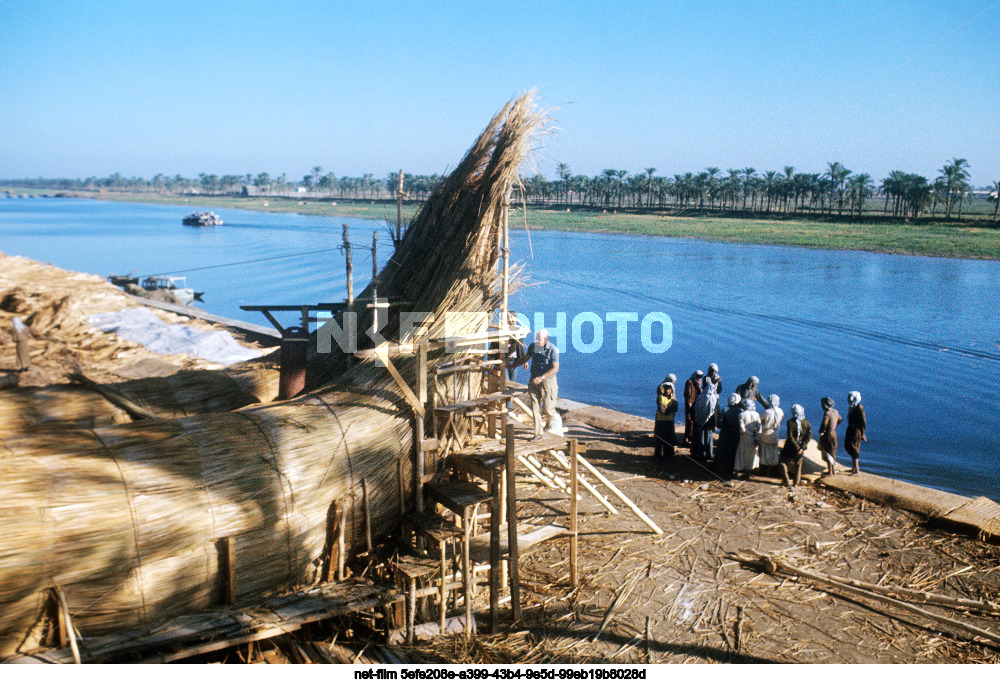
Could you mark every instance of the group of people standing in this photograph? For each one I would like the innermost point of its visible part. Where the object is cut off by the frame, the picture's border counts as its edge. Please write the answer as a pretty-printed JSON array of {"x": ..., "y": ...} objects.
[{"x": 749, "y": 439}]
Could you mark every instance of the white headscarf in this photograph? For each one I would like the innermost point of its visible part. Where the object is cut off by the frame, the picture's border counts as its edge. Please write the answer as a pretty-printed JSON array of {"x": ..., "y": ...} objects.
[
  {"x": 799, "y": 413},
  {"x": 734, "y": 400},
  {"x": 853, "y": 399}
]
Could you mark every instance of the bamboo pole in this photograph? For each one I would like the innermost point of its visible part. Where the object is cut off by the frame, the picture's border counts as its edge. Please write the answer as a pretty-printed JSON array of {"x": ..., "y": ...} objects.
[
  {"x": 548, "y": 473},
  {"x": 586, "y": 484},
  {"x": 368, "y": 514},
  {"x": 495, "y": 521},
  {"x": 399, "y": 209},
  {"x": 537, "y": 473},
  {"x": 68, "y": 620},
  {"x": 418, "y": 494},
  {"x": 621, "y": 496},
  {"x": 512, "y": 549},
  {"x": 772, "y": 565},
  {"x": 573, "y": 538},
  {"x": 341, "y": 545}
]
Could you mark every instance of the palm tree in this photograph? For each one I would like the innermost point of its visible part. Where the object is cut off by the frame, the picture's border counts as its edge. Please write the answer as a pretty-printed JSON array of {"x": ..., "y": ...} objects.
[
  {"x": 564, "y": 173},
  {"x": 862, "y": 188},
  {"x": 649, "y": 186},
  {"x": 712, "y": 171},
  {"x": 837, "y": 174},
  {"x": 734, "y": 187},
  {"x": 954, "y": 175},
  {"x": 748, "y": 174},
  {"x": 607, "y": 182},
  {"x": 770, "y": 185}
]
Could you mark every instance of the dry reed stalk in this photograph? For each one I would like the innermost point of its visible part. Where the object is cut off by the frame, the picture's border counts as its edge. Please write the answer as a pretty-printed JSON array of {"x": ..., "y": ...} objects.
[{"x": 126, "y": 518}]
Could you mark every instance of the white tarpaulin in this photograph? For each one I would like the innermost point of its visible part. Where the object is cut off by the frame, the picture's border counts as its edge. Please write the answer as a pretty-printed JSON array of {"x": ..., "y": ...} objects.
[{"x": 145, "y": 327}]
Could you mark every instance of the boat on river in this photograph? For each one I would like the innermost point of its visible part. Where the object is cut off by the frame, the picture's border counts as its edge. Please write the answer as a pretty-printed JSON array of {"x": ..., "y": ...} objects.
[
  {"x": 202, "y": 219},
  {"x": 177, "y": 286}
]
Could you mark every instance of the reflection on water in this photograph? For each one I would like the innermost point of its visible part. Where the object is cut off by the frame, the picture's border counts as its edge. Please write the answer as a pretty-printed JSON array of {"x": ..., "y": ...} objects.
[{"x": 918, "y": 337}]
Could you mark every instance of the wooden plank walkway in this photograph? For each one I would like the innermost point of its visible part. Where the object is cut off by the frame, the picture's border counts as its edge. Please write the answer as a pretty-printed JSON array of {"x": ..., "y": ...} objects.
[{"x": 190, "y": 635}]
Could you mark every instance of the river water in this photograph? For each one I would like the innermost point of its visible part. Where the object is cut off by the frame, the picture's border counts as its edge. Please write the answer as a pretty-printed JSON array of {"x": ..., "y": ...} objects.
[{"x": 918, "y": 337}]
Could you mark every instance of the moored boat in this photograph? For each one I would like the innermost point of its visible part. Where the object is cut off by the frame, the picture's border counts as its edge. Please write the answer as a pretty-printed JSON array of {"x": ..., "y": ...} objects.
[
  {"x": 202, "y": 219},
  {"x": 176, "y": 286}
]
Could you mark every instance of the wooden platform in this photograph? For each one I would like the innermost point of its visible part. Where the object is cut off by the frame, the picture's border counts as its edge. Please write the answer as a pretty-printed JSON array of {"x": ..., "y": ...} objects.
[
  {"x": 527, "y": 536},
  {"x": 196, "y": 634},
  {"x": 522, "y": 447}
]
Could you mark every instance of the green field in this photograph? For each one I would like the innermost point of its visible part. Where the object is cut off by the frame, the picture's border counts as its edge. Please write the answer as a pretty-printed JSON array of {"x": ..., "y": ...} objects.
[{"x": 975, "y": 239}]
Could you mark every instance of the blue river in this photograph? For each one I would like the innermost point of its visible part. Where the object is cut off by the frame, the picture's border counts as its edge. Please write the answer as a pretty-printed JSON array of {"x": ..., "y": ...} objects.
[{"x": 918, "y": 337}]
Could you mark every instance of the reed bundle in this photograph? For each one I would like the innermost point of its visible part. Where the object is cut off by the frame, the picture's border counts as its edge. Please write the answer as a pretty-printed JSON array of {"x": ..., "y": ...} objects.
[
  {"x": 126, "y": 519},
  {"x": 185, "y": 393}
]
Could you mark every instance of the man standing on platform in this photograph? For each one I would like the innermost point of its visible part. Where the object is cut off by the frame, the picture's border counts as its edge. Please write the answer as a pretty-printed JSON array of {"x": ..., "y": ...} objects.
[{"x": 542, "y": 387}]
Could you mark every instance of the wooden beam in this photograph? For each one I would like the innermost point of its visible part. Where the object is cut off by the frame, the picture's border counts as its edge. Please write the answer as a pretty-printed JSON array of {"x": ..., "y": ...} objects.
[
  {"x": 495, "y": 521},
  {"x": 586, "y": 484},
  {"x": 227, "y": 565},
  {"x": 408, "y": 394},
  {"x": 368, "y": 514},
  {"x": 573, "y": 538},
  {"x": 67, "y": 619},
  {"x": 332, "y": 533},
  {"x": 622, "y": 497},
  {"x": 341, "y": 545},
  {"x": 512, "y": 550}
]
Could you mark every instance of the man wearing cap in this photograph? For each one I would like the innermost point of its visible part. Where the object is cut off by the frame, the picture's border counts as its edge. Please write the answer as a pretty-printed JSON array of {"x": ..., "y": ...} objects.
[
  {"x": 749, "y": 390},
  {"x": 692, "y": 387},
  {"x": 542, "y": 387}
]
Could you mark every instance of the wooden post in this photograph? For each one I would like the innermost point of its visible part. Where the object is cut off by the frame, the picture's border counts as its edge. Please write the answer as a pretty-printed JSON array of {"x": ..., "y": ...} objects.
[
  {"x": 505, "y": 251},
  {"x": 68, "y": 620},
  {"x": 341, "y": 545},
  {"x": 374, "y": 267},
  {"x": 467, "y": 580},
  {"x": 573, "y": 533},
  {"x": 333, "y": 519},
  {"x": 411, "y": 611},
  {"x": 444, "y": 584},
  {"x": 368, "y": 514},
  {"x": 350, "y": 265},
  {"x": 227, "y": 558},
  {"x": 495, "y": 553},
  {"x": 399, "y": 209},
  {"x": 62, "y": 637},
  {"x": 512, "y": 549},
  {"x": 402, "y": 488},
  {"x": 419, "y": 431}
]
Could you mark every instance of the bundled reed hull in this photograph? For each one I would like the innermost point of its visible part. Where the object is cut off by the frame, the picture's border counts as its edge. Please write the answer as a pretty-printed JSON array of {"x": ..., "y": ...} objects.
[
  {"x": 127, "y": 519},
  {"x": 185, "y": 393}
]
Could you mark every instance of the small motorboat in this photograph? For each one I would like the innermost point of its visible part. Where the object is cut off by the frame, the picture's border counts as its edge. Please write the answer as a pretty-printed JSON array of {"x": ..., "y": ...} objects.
[
  {"x": 202, "y": 219},
  {"x": 123, "y": 280},
  {"x": 176, "y": 286}
]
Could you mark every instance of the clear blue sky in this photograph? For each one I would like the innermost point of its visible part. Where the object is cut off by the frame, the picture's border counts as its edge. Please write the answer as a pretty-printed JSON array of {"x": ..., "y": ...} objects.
[{"x": 140, "y": 87}]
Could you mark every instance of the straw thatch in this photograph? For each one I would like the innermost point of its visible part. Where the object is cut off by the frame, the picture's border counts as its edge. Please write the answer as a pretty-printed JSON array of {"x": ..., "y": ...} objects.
[
  {"x": 126, "y": 518},
  {"x": 91, "y": 405}
]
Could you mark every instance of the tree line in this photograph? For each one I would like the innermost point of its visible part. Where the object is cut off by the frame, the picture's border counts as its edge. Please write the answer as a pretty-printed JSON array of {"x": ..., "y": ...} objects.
[{"x": 835, "y": 190}]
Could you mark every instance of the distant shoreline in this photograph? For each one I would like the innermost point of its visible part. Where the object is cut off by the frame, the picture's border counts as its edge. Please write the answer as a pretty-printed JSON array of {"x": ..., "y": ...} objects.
[{"x": 966, "y": 240}]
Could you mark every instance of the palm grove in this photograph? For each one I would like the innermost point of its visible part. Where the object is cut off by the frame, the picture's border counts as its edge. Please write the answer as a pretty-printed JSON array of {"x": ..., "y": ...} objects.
[{"x": 836, "y": 190}]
